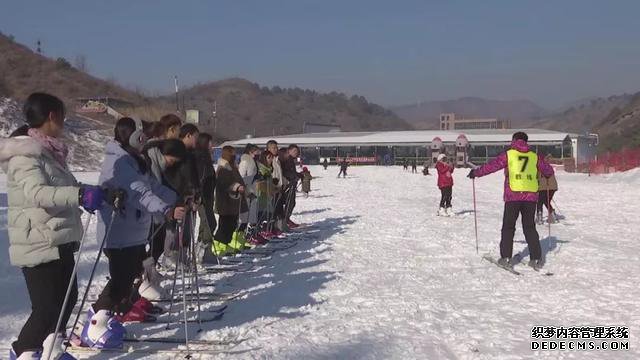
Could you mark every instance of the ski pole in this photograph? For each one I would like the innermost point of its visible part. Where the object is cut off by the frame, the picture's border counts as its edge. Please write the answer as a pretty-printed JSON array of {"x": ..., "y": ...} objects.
[
  {"x": 175, "y": 276},
  {"x": 184, "y": 290},
  {"x": 549, "y": 210},
  {"x": 117, "y": 205},
  {"x": 195, "y": 271},
  {"x": 72, "y": 280},
  {"x": 555, "y": 205},
  {"x": 475, "y": 212}
]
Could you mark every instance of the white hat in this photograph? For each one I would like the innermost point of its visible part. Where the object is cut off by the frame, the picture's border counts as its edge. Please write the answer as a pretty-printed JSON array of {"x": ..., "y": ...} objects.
[{"x": 441, "y": 156}]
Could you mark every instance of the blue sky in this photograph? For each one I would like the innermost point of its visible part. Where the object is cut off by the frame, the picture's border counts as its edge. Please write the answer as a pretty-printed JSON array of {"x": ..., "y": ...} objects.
[{"x": 392, "y": 52}]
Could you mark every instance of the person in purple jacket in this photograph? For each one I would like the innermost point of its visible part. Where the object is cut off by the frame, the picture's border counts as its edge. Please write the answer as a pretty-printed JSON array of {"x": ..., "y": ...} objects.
[{"x": 521, "y": 167}]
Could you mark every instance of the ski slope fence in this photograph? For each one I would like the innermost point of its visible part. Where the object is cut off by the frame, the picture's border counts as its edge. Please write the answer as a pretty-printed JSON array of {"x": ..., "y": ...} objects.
[{"x": 612, "y": 162}]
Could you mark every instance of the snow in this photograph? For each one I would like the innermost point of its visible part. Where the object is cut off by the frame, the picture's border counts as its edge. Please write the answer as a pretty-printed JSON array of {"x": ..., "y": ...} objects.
[{"x": 379, "y": 276}]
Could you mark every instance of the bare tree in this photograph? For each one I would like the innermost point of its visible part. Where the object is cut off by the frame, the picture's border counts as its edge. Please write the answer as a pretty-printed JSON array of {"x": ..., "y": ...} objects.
[{"x": 80, "y": 63}]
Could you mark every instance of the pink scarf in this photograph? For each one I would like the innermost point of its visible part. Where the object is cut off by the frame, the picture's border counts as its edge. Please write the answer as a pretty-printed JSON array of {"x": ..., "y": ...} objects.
[{"x": 57, "y": 147}]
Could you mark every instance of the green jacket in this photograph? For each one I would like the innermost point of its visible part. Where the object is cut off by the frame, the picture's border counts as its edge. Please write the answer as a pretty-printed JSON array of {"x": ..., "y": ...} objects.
[{"x": 43, "y": 202}]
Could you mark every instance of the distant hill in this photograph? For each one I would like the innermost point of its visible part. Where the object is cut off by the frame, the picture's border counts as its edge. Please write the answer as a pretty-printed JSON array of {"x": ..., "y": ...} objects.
[
  {"x": 246, "y": 108},
  {"x": 23, "y": 71},
  {"x": 243, "y": 107},
  {"x": 583, "y": 116},
  {"x": 621, "y": 127},
  {"x": 426, "y": 114}
]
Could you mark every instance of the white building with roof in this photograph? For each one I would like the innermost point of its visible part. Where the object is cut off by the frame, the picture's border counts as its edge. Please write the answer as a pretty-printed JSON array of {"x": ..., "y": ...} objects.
[{"x": 483, "y": 144}]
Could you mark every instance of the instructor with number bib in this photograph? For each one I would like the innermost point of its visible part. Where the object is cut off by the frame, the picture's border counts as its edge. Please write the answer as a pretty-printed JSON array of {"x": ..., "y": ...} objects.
[{"x": 520, "y": 195}]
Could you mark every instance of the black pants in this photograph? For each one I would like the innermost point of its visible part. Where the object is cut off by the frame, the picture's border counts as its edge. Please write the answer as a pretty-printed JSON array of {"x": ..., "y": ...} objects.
[
  {"x": 47, "y": 285},
  {"x": 445, "y": 196},
  {"x": 343, "y": 171},
  {"x": 414, "y": 169},
  {"x": 157, "y": 242},
  {"x": 125, "y": 265},
  {"x": 542, "y": 199},
  {"x": 511, "y": 212},
  {"x": 290, "y": 201},
  {"x": 227, "y": 225}
]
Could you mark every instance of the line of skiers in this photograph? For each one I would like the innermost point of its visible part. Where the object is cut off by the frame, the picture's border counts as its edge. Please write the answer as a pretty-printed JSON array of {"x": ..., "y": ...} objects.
[{"x": 148, "y": 191}]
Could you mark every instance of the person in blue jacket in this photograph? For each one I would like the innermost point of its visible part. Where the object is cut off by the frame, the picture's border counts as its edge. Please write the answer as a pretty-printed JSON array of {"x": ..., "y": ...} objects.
[{"x": 125, "y": 233}]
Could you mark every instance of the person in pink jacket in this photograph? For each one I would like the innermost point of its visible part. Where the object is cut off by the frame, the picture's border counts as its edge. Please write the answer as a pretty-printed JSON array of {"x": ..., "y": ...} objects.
[
  {"x": 521, "y": 167},
  {"x": 445, "y": 184}
]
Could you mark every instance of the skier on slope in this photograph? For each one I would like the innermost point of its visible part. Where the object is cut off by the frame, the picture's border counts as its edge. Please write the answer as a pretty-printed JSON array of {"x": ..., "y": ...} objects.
[
  {"x": 44, "y": 222},
  {"x": 414, "y": 166},
  {"x": 161, "y": 152},
  {"x": 248, "y": 169},
  {"x": 547, "y": 187},
  {"x": 405, "y": 164},
  {"x": 288, "y": 162},
  {"x": 325, "y": 163},
  {"x": 306, "y": 181},
  {"x": 445, "y": 184},
  {"x": 521, "y": 167},
  {"x": 343, "y": 167},
  {"x": 128, "y": 232},
  {"x": 207, "y": 176},
  {"x": 229, "y": 201}
]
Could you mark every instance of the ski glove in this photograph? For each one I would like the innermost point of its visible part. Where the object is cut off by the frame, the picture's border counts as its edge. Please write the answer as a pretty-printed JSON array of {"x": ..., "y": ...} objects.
[
  {"x": 276, "y": 181},
  {"x": 472, "y": 174},
  {"x": 91, "y": 197}
]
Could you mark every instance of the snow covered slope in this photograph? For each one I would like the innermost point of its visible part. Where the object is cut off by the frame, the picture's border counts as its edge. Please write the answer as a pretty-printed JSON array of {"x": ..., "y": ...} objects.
[{"x": 379, "y": 276}]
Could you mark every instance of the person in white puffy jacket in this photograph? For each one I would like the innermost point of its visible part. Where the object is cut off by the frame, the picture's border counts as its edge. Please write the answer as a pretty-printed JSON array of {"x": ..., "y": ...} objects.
[
  {"x": 248, "y": 169},
  {"x": 44, "y": 225}
]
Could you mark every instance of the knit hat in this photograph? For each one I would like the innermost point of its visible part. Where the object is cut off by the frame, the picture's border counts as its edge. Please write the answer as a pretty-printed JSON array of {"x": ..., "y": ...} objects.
[{"x": 441, "y": 157}]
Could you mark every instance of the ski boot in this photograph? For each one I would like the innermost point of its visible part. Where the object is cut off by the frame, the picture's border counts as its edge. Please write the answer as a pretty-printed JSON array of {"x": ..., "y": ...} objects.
[
  {"x": 292, "y": 225},
  {"x": 55, "y": 348},
  {"x": 449, "y": 212},
  {"x": 505, "y": 262},
  {"x": 26, "y": 355},
  {"x": 442, "y": 212},
  {"x": 102, "y": 331},
  {"x": 152, "y": 291},
  {"x": 536, "y": 264}
]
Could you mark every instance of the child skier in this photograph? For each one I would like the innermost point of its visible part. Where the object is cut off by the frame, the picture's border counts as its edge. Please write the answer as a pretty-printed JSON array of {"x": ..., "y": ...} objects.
[
  {"x": 44, "y": 223},
  {"x": 325, "y": 163},
  {"x": 306, "y": 181},
  {"x": 547, "y": 187},
  {"x": 521, "y": 167},
  {"x": 445, "y": 184},
  {"x": 125, "y": 234}
]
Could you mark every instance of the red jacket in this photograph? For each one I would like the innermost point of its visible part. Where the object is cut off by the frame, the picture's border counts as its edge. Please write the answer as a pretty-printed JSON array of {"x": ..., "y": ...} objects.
[{"x": 445, "y": 179}]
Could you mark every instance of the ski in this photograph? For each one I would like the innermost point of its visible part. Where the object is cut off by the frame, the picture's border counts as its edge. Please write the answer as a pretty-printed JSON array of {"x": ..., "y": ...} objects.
[
  {"x": 78, "y": 350},
  {"x": 495, "y": 262},
  {"x": 182, "y": 341},
  {"x": 214, "y": 269},
  {"x": 518, "y": 258},
  {"x": 180, "y": 320},
  {"x": 281, "y": 246},
  {"x": 208, "y": 296}
]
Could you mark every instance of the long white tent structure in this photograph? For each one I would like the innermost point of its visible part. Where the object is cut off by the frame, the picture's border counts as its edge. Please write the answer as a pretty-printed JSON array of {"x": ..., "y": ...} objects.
[{"x": 483, "y": 144}]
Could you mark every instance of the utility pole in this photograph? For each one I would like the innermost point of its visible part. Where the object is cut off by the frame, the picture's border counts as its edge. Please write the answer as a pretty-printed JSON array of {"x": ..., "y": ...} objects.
[
  {"x": 175, "y": 81},
  {"x": 215, "y": 116}
]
